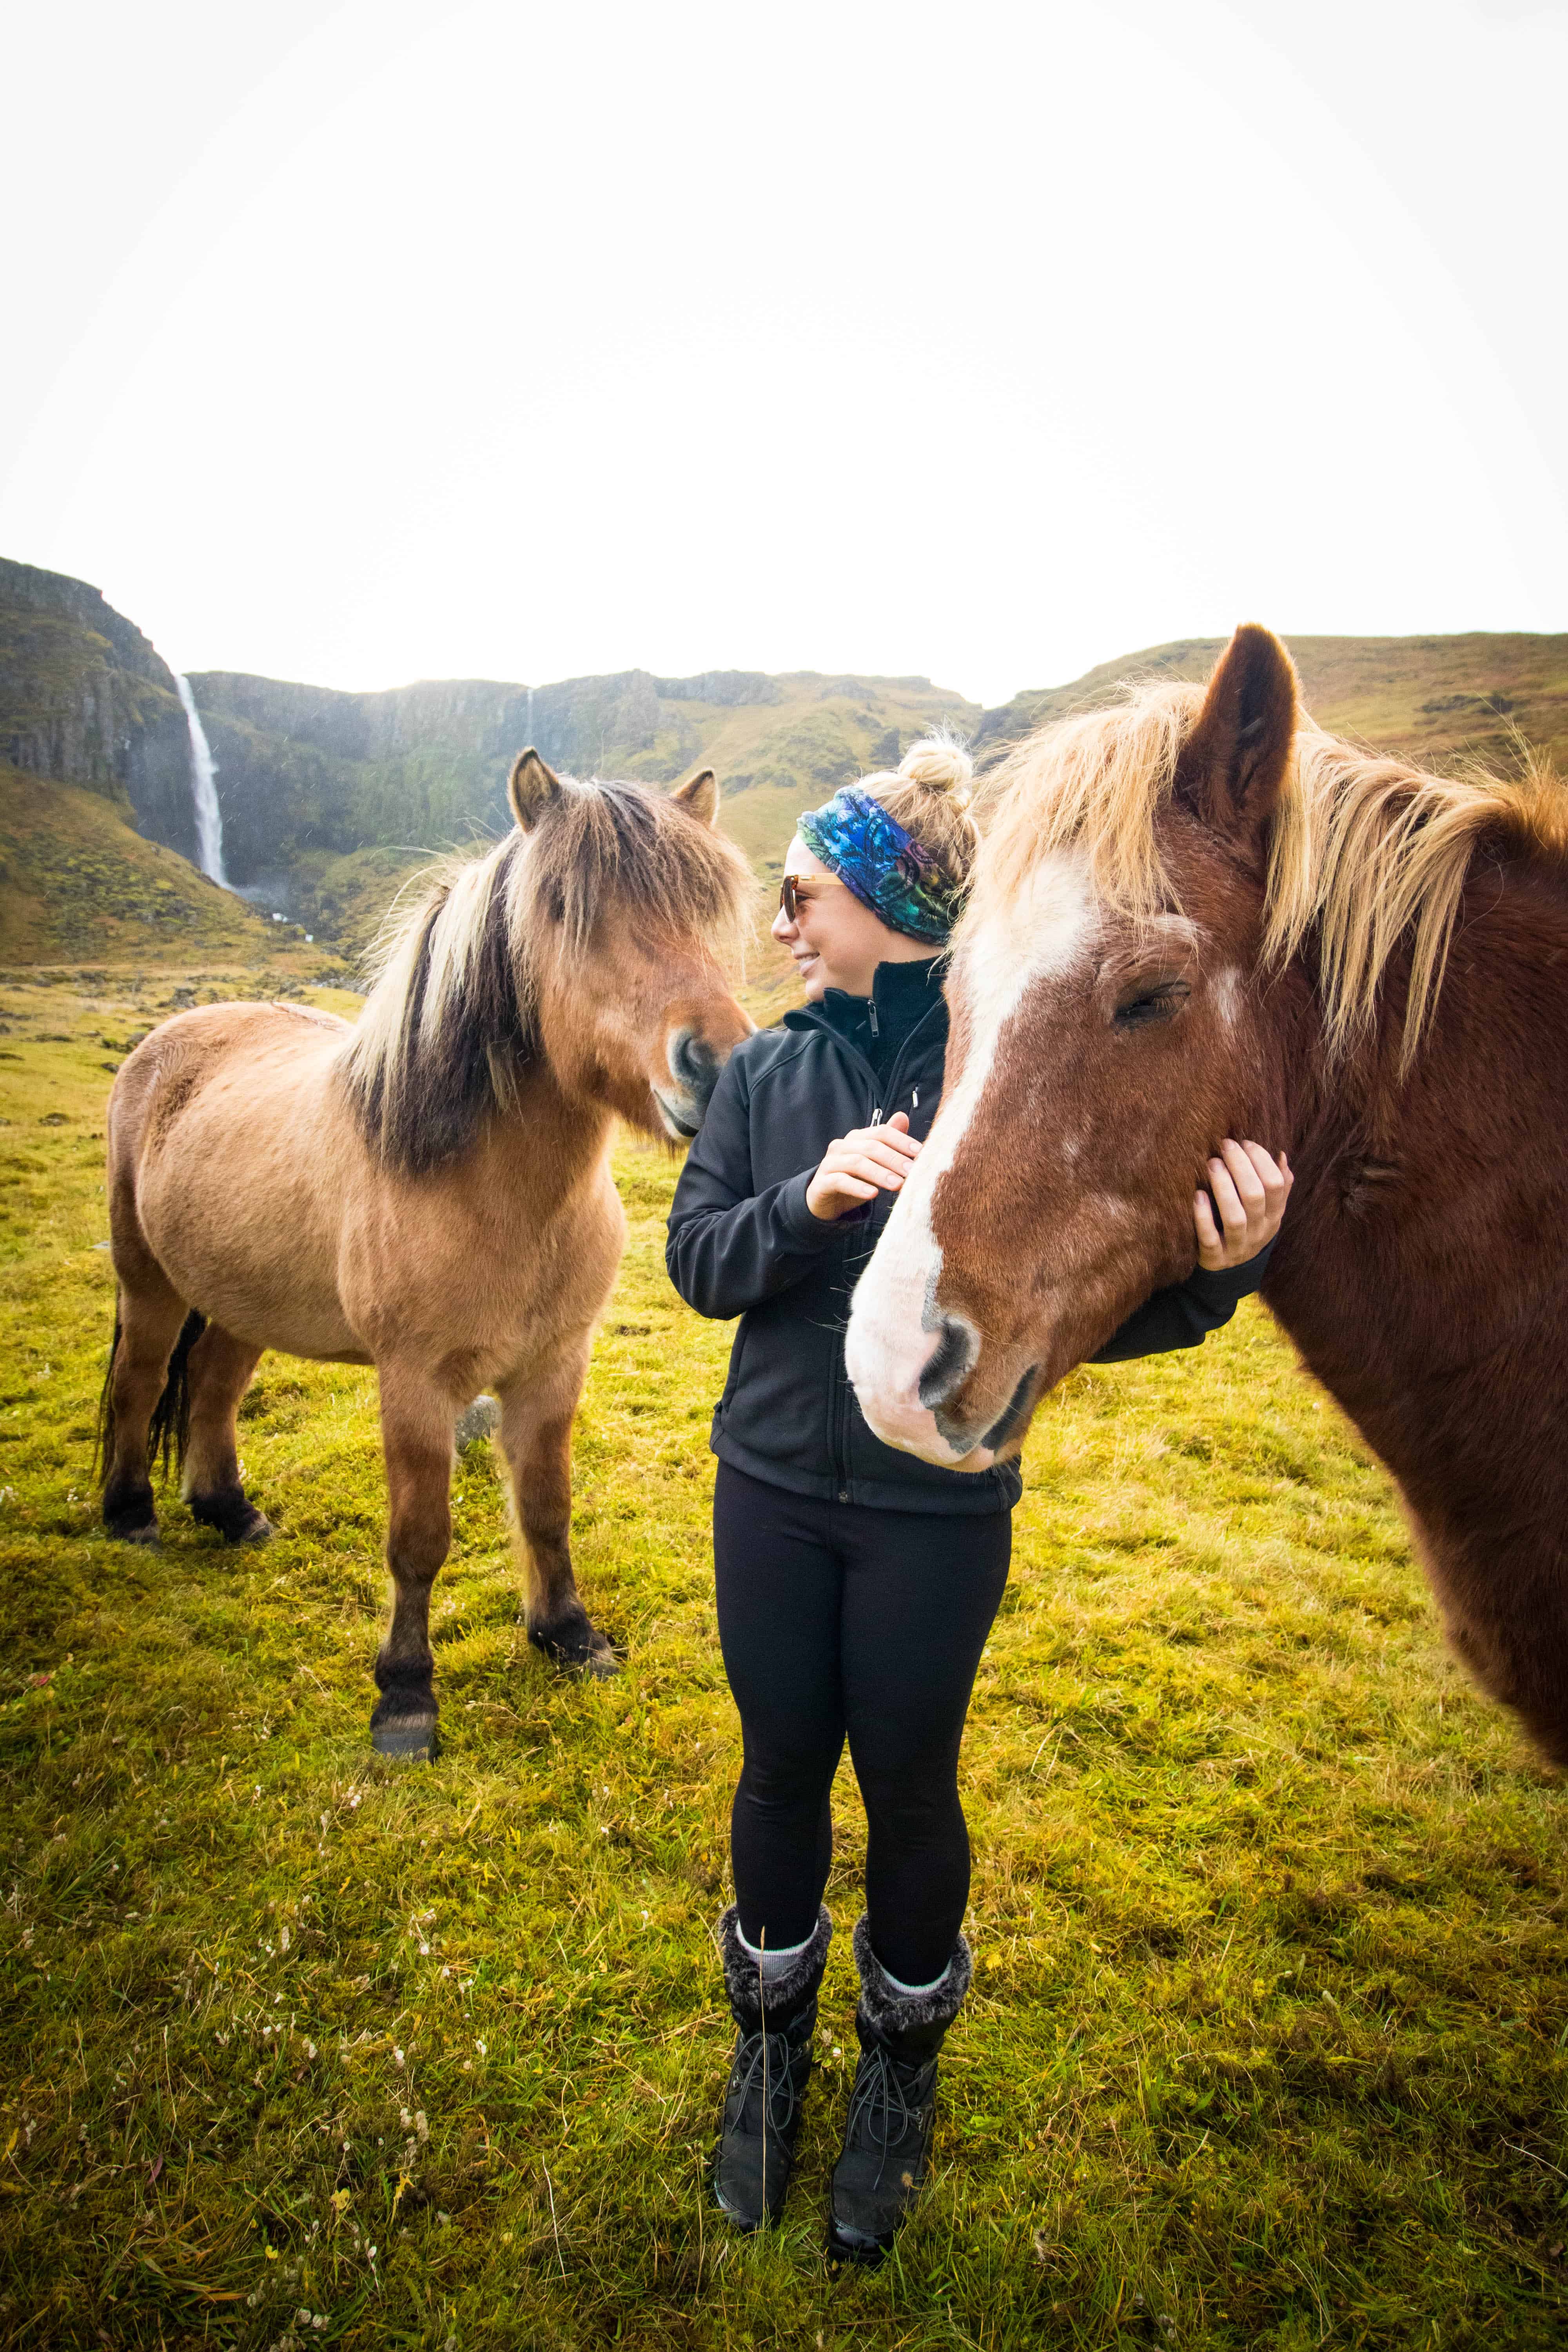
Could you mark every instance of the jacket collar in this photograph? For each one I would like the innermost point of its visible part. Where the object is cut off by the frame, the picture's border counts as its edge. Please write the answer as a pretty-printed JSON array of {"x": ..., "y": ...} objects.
[{"x": 908, "y": 996}]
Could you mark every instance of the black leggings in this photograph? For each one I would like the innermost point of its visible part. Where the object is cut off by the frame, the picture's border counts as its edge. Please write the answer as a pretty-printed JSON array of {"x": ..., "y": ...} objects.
[{"x": 836, "y": 1619}]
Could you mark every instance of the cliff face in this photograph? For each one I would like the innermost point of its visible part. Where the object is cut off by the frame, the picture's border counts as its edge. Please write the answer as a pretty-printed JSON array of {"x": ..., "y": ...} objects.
[
  {"x": 304, "y": 771},
  {"x": 84, "y": 699}
]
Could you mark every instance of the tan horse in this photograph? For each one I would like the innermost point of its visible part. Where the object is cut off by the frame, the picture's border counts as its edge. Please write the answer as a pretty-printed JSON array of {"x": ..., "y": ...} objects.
[{"x": 428, "y": 1192}]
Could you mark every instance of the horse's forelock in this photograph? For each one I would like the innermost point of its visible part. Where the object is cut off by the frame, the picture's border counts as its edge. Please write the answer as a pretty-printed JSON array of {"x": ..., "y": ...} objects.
[
  {"x": 451, "y": 1016},
  {"x": 609, "y": 852}
]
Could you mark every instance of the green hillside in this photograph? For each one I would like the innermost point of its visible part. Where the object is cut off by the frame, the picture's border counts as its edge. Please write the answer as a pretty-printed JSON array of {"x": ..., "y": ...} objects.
[
  {"x": 76, "y": 885},
  {"x": 331, "y": 802},
  {"x": 1437, "y": 698}
]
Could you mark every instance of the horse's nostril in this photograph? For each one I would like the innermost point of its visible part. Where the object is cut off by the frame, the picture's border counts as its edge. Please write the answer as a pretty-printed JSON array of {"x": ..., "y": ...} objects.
[
  {"x": 694, "y": 1064},
  {"x": 956, "y": 1352}
]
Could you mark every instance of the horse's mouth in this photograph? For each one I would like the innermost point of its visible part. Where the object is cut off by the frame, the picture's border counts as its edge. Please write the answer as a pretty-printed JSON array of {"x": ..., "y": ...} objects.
[{"x": 681, "y": 1129}]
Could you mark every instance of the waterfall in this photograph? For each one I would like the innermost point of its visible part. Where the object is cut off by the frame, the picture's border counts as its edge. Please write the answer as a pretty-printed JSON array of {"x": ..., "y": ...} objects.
[{"x": 204, "y": 792}]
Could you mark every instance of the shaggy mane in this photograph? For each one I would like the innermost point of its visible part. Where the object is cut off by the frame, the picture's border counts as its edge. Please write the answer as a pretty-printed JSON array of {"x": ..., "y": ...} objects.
[
  {"x": 1367, "y": 851},
  {"x": 450, "y": 1021}
]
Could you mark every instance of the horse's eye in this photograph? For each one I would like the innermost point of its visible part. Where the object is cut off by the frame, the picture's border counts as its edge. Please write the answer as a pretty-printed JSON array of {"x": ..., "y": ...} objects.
[{"x": 1153, "y": 1005}]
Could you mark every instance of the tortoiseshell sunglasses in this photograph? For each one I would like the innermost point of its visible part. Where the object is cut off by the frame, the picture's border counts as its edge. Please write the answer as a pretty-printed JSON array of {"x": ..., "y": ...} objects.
[{"x": 792, "y": 898}]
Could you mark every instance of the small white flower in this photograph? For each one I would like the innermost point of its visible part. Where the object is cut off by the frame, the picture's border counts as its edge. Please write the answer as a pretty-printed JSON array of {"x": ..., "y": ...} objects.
[
  {"x": 397, "y": 2057},
  {"x": 483, "y": 2048}
]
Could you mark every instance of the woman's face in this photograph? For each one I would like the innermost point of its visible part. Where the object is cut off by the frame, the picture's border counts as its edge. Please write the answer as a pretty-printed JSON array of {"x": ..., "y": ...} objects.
[{"x": 835, "y": 940}]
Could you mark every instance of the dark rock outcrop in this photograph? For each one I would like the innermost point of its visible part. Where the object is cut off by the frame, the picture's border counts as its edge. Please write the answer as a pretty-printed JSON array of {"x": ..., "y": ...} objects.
[{"x": 84, "y": 699}]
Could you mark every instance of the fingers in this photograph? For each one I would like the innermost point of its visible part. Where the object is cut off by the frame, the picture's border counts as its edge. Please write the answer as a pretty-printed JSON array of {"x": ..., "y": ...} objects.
[
  {"x": 1229, "y": 1207},
  {"x": 890, "y": 1133},
  {"x": 872, "y": 1166},
  {"x": 1250, "y": 1188},
  {"x": 1211, "y": 1248}
]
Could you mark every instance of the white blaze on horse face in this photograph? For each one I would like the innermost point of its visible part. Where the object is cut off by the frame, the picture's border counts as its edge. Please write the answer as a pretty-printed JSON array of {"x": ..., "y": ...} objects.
[{"x": 889, "y": 1343}]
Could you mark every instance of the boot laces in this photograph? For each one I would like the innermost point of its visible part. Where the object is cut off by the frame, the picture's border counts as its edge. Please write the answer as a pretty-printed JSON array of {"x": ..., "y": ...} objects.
[
  {"x": 880, "y": 2109},
  {"x": 782, "y": 2095}
]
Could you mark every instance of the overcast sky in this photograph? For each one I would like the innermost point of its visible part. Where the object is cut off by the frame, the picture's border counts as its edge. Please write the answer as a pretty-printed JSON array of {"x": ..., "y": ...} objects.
[{"x": 397, "y": 339}]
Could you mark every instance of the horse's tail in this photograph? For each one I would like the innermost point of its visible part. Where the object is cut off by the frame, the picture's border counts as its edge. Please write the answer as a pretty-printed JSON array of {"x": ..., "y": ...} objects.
[
  {"x": 103, "y": 1441},
  {"x": 171, "y": 1424}
]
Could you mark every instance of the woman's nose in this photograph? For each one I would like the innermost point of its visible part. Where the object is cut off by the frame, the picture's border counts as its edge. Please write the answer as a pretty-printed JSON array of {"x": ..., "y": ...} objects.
[{"x": 782, "y": 929}]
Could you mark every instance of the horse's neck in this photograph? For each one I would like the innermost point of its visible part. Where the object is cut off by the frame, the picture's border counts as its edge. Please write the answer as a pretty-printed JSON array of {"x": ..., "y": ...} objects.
[
  {"x": 1429, "y": 1234},
  {"x": 542, "y": 1139}
]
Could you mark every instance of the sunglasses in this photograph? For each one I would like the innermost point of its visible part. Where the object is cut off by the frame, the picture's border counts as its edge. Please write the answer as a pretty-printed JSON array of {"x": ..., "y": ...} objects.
[{"x": 798, "y": 890}]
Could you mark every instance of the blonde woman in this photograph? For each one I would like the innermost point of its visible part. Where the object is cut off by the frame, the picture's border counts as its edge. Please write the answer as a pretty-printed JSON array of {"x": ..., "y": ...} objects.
[{"x": 856, "y": 1585}]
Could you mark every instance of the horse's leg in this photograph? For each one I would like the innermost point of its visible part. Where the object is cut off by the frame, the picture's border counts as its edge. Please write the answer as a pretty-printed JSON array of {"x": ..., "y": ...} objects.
[
  {"x": 220, "y": 1372},
  {"x": 151, "y": 1315},
  {"x": 536, "y": 1411},
  {"x": 416, "y": 1438}
]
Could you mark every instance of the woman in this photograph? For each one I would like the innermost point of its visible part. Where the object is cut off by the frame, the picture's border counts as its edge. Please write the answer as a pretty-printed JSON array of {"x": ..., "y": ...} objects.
[{"x": 856, "y": 1585}]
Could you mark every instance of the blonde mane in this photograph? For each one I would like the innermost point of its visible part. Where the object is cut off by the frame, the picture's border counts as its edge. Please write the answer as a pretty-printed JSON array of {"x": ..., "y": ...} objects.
[
  {"x": 451, "y": 1017},
  {"x": 1367, "y": 851}
]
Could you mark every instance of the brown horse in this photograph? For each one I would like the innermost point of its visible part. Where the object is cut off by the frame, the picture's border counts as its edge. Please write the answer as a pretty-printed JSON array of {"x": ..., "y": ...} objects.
[
  {"x": 428, "y": 1192},
  {"x": 1195, "y": 915}
]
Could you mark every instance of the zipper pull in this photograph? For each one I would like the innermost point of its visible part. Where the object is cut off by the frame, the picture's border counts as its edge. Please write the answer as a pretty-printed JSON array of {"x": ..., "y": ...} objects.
[
  {"x": 871, "y": 1009},
  {"x": 915, "y": 1098},
  {"x": 877, "y": 1115}
]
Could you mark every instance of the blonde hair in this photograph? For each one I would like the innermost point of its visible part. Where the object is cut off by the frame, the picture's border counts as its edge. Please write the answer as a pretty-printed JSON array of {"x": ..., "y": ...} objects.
[
  {"x": 1365, "y": 851},
  {"x": 929, "y": 794}
]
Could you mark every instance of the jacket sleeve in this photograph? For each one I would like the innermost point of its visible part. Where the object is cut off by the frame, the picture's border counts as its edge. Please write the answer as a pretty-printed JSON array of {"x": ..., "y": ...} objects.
[
  {"x": 1184, "y": 1316},
  {"x": 730, "y": 1247}
]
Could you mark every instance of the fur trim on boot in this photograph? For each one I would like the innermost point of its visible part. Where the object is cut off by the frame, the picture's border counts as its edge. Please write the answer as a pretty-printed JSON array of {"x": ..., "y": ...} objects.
[
  {"x": 783, "y": 1992},
  {"x": 897, "y": 2016}
]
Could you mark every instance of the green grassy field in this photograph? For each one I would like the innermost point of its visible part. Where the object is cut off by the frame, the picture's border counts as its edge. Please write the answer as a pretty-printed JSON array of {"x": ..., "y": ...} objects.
[{"x": 1268, "y": 2044}]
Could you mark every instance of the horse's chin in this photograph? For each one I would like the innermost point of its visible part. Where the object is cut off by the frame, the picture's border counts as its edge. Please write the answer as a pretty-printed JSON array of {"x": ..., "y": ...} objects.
[{"x": 680, "y": 1119}]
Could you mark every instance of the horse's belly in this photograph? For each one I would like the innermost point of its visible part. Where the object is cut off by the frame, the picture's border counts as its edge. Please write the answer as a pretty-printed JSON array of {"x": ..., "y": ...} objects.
[{"x": 240, "y": 1192}]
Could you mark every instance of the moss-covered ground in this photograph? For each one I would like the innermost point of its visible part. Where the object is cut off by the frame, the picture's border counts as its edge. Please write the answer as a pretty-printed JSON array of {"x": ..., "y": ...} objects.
[{"x": 1268, "y": 2044}]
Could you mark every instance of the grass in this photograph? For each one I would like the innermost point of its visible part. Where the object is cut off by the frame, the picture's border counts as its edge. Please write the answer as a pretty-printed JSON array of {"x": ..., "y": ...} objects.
[{"x": 1268, "y": 2042}]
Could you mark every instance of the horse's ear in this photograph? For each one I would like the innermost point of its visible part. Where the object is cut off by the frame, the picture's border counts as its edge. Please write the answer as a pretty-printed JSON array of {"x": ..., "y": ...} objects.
[
  {"x": 698, "y": 796},
  {"x": 531, "y": 788},
  {"x": 1236, "y": 757}
]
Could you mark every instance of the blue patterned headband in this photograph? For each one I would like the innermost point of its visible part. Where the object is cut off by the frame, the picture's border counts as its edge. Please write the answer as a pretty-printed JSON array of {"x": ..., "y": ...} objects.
[{"x": 885, "y": 867}]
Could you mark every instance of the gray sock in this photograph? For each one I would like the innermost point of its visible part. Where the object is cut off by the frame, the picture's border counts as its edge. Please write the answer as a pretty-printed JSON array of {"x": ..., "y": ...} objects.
[
  {"x": 908, "y": 1990},
  {"x": 772, "y": 1964}
]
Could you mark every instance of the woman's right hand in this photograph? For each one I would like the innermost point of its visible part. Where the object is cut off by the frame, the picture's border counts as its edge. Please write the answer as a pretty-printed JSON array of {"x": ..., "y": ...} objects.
[{"x": 860, "y": 1165}]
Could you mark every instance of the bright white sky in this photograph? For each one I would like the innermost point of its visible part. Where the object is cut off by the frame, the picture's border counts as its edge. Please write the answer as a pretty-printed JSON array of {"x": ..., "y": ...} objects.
[{"x": 398, "y": 339}]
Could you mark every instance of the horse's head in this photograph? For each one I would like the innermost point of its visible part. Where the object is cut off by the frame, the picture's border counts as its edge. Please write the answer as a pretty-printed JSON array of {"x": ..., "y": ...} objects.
[
  {"x": 1106, "y": 1033},
  {"x": 633, "y": 899}
]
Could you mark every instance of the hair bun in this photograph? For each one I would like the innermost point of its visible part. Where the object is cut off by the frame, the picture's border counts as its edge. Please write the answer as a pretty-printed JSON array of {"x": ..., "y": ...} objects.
[{"x": 942, "y": 766}]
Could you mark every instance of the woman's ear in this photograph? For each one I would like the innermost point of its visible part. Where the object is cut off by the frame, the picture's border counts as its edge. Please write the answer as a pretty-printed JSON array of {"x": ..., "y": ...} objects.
[
  {"x": 698, "y": 796},
  {"x": 531, "y": 788}
]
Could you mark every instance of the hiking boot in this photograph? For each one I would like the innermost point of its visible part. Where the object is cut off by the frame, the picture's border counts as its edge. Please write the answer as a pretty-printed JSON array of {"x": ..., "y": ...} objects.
[
  {"x": 892, "y": 2102},
  {"x": 760, "y": 2117}
]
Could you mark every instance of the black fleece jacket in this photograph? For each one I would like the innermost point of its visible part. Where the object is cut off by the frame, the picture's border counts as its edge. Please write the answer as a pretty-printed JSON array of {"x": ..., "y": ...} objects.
[{"x": 742, "y": 1242}]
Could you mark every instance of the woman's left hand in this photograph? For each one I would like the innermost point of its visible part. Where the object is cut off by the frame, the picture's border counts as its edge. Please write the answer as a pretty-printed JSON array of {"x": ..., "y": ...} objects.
[{"x": 1249, "y": 1188}]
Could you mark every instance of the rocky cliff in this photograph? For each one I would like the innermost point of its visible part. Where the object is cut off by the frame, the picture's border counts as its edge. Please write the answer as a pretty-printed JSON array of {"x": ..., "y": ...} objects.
[{"x": 84, "y": 699}]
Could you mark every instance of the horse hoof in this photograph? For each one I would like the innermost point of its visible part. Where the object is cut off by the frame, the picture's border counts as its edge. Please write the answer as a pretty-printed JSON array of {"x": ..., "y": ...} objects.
[
  {"x": 236, "y": 1517},
  {"x": 413, "y": 1736},
  {"x": 146, "y": 1534},
  {"x": 576, "y": 1649}
]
